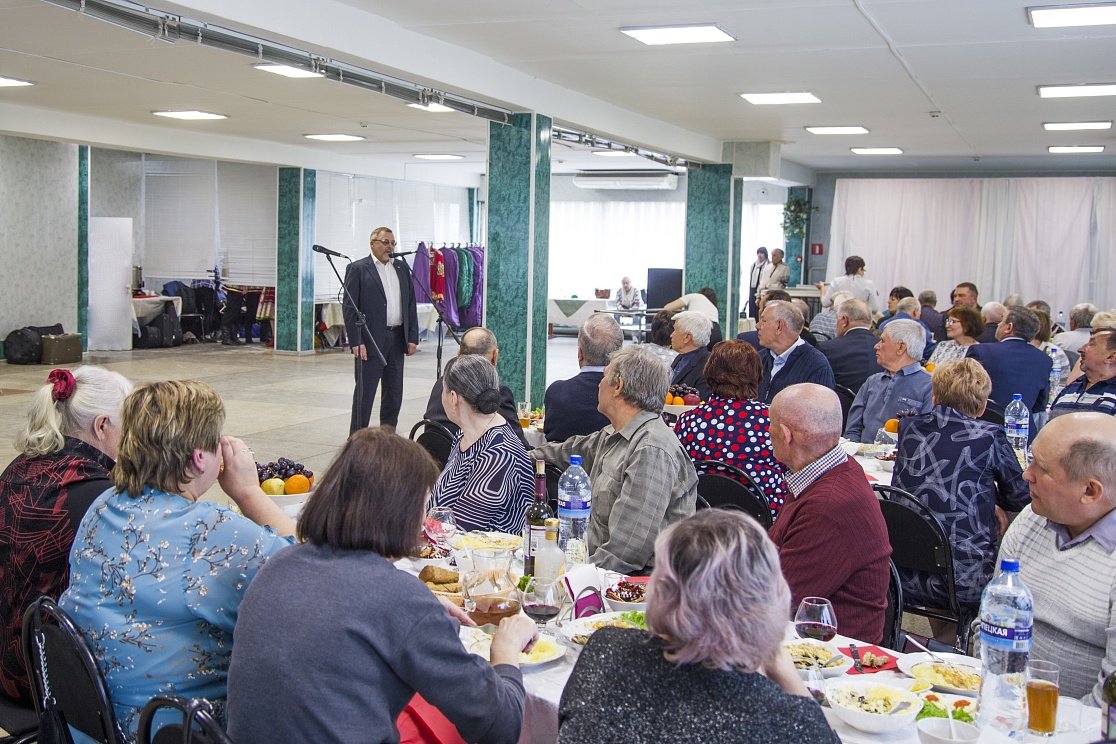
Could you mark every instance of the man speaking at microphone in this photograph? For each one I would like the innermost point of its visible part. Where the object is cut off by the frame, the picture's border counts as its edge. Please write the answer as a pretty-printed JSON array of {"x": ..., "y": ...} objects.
[{"x": 381, "y": 288}]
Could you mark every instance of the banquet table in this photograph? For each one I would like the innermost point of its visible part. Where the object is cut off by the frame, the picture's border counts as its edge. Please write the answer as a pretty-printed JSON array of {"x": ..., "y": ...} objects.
[{"x": 145, "y": 309}]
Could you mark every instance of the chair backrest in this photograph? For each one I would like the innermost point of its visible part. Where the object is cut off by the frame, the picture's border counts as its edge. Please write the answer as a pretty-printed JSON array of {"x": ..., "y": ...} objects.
[
  {"x": 893, "y": 620},
  {"x": 725, "y": 486},
  {"x": 198, "y": 724},
  {"x": 846, "y": 396},
  {"x": 435, "y": 439},
  {"x": 553, "y": 474},
  {"x": 993, "y": 412},
  {"x": 60, "y": 665}
]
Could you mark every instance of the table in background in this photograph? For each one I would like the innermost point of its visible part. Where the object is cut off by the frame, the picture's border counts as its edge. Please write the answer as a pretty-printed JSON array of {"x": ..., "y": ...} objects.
[
  {"x": 572, "y": 312},
  {"x": 808, "y": 292},
  {"x": 333, "y": 316},
  {"x": 874, "y": 469},
  {"x": 146, "y": 309},
  {"x": 642, "y": 320}
]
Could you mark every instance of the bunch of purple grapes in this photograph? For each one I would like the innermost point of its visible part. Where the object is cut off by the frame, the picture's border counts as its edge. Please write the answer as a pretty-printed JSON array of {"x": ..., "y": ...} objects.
[{"x": 284, "y": 468}]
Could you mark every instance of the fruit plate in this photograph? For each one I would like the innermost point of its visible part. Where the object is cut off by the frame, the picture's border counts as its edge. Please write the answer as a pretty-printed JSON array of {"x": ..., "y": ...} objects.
[{"x": 677, "y": 410}]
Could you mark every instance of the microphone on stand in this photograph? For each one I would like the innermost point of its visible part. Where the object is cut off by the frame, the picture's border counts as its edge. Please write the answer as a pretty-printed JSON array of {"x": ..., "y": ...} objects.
[
  {"x": 400, "y": 254},
  {"x": 328, "y": 252}
]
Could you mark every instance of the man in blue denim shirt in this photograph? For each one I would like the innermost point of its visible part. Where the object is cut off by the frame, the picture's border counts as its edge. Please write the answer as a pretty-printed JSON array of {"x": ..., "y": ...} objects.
[{"x": 903, "y": 386}]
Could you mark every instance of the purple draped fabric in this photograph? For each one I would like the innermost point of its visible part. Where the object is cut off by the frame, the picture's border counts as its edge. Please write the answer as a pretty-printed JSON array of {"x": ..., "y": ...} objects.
[
  {"x": 420, "y": 275},
  {"x": 449, "y": 305}
]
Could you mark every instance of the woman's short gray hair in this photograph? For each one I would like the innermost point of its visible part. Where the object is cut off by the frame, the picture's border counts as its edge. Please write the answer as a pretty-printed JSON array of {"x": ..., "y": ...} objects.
[
  {"x": 909, "y": 332},
  {"x": 646, "y": 377},
  {"x": 475, "y": 380},
  {"x": 694, "y": 323}
]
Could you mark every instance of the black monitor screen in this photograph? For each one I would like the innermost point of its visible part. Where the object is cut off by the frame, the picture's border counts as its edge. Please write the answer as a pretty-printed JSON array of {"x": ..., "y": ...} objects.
[{"x": 663, "y": 286}]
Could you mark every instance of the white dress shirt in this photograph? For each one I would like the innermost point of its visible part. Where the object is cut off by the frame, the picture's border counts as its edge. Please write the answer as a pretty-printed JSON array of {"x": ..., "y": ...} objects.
[
  {"x": 390, "y": 279},
  {"x": 780, "y": 360}
]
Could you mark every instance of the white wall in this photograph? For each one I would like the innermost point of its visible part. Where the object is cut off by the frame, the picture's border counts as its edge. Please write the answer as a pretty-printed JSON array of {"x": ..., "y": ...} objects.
[{"x": 116, "y": 190}]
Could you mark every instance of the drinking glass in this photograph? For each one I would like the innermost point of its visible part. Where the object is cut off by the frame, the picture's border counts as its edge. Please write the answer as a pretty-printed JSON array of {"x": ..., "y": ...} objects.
[
  {"x": 523, "y": 409},
  {"x": 1042, "y": 697},
  {"x": 815, "y": 619},
  {"x": 885, "y": 442},
  {"x": 542, "y": 600},
  {"x": 490, "y": 596},
  {"x": 439, "y": 525}
]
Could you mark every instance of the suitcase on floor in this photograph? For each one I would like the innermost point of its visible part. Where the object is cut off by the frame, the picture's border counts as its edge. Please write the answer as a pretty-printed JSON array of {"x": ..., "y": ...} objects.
[
  {"x": 150, "y": 337},
  {"x": 169, "y": 328},
  {"x": 63, "y": 349},
  {"x": 25, "y": 345}
]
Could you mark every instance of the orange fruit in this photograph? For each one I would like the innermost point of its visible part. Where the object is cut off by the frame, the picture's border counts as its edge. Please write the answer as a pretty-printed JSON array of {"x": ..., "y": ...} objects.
[
  {"x": 891, "y": 427},
  {"x": 669, "y": 399},
  {"x": 930, "y": 366},
  {"x": 297, "y": 483},
  {"x": 311, "y": 480}
]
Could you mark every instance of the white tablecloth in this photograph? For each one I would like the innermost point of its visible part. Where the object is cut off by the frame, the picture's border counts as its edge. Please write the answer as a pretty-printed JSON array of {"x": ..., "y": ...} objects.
[
  {"x": 873, "y": 468},
  {"x": 144, "y": 309},
  {"x": 334, "y": 317},
  {"x": 572, "y": 312}
]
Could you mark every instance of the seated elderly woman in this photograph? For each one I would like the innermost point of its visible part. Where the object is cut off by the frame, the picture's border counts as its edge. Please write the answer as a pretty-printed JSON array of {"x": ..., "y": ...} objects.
[
  {"x": 66, "y": 450},
  {"x": 711, "y": 666},
  {"x": 333, "y": 641},
  {"x": 962, "y": 326},
  {"x": 488, "y": 480},
  {"x": 962, "y": 469},
  {"x": 156, "y": 573},
  {"x": 732, "y": 426}
]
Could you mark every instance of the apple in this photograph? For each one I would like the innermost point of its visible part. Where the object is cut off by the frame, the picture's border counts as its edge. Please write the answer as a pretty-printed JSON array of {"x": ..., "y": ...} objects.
[{"x": 691, "y": 399}]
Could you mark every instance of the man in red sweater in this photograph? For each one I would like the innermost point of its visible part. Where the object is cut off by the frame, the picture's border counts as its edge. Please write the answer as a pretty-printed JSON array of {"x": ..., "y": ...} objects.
[{"x": 831, "y": 536}]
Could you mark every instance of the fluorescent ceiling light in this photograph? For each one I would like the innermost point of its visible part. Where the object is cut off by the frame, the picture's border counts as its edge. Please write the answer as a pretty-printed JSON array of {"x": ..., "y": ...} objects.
[
  {"x": 189, "y": 115},
  {"x": 288, "y": 71},
  {"x": 7, "y": 82},
  {"x": 1077, "y": 91},
  {"x": 334, "y": 137},
  {"x": 765, "y": 99},
  {"x": 836, "y": 130},
  {"x": 1074, "y": 149},
  {"x": 439, "y": 156},
  {"x": 434, "y": 108},
  {"x": 876, "y": 150},
  {"x": 1059, "y": 16},
  {"x": 614, "y": 153},
  {"x": 695, "y": 33},
  {"x": 1073, "y": 126}
]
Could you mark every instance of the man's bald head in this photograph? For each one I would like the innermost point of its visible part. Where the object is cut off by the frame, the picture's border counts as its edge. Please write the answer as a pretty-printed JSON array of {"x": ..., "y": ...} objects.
[
  {"x": 1084, "y": 445},
  {"x": 812, "y": 415},
  {"x": 479, "y": 341}
]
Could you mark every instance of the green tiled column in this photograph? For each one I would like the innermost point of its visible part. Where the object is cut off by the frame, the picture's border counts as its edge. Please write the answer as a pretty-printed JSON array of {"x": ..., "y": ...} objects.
[
  {"x": 708, "y": 233},
  {"x": 796, "y": 244},
  {"x": 294, "y": 283},
  {"x": 83, "y": 247},
  {"x": 518, "y": 250}
]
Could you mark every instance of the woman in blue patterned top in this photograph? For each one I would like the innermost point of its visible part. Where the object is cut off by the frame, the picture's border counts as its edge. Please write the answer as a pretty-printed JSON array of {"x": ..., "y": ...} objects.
[
  {"x": 488, "y": 480},
  {"x": 156, "y": 574},
  {"x": 963, "y": 470}
]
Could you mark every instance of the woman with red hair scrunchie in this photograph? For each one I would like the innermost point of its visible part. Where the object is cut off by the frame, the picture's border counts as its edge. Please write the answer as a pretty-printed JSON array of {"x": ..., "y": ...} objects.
[{"x": 66, "y": 451}]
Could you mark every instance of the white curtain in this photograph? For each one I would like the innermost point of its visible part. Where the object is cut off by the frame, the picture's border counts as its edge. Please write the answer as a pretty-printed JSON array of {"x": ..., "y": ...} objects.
[
  {"x": 1044, "y": 238},
  {"x": 596, "y": 244}
]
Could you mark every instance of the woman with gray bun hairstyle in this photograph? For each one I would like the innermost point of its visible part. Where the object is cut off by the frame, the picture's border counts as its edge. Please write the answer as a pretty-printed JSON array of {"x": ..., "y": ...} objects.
[{"x": 488, "y": 480}]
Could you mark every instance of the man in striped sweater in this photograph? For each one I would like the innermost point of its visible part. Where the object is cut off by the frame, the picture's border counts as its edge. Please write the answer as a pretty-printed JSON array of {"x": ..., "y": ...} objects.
[{"x": 1065, "y": 542}]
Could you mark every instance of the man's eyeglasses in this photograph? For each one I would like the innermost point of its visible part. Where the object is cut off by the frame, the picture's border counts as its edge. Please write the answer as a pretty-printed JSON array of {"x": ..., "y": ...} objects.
[{"x": 392, "y": 243}]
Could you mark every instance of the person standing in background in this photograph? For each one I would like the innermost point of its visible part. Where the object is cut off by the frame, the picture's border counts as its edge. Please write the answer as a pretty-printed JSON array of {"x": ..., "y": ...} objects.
[
  {"x": 761, "y": 269},
  {"x": 780, "y": 273},
  {"x": 854, "y": 283},
  {"x": 381, "y": 288}
]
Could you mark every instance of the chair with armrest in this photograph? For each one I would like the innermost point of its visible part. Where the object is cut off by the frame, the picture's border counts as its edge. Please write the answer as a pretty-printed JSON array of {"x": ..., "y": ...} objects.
[
  {"x": 893, "y": 620},
  {"x": 435, "y": 439},
  {"x": 846, "y": 396},
  {"x": 993, "y": 412},
  {"x": 725, "y": 486},
  {"x": 198, "y": 723}
]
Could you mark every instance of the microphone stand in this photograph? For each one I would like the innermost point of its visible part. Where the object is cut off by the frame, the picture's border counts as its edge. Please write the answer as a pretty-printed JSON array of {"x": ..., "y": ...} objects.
[
  {"x": 438, "y": 310},
  {"x": 362, "y": 324}
]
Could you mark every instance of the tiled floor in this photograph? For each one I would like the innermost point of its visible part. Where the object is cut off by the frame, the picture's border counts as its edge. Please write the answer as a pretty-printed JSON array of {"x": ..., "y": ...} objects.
[{"x": 280, "y": 405}]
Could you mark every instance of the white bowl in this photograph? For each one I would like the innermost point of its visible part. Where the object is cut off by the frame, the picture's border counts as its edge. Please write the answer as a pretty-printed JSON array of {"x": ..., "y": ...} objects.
[
  {"x": 872, "y": 723},
  {"x": 888, "y": 466},
  {"x": 850, "y": 447},
  {"x": 618, "y": 606},
  {"x": 831, "y": 650},
  {"x": 936, "y": 731}
]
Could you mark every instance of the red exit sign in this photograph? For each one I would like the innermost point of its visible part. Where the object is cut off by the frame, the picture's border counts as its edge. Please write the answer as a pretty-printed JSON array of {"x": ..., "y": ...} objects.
[{"x": 817, "y": 249}]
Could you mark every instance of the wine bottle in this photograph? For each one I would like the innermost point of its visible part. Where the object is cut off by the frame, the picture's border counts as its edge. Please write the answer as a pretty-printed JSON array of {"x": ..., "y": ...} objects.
[
  {"x": 534, "y": 520},
  {"x": 1108, "y": 708}
]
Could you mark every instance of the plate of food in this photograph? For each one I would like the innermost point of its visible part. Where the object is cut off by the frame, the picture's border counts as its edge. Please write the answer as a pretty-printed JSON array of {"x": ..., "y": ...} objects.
[
  {"x": 807, "y": 652},
  {"x": 577, "y": 632},
  {"x": 433, "y": 555},
  {"x": 545, "y": 650},
  {"x": 871, "y": 706},
  {"x": 959, "y": 674},
  {"x": 626, "y": 596},
  {"x": 487, "y": 540},
  {"x": 942, "y": 705}
]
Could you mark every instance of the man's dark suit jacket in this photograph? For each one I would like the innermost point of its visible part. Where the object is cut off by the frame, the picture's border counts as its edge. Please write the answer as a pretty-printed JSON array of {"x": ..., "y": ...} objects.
[
  {"x": 691, "y": 371},
  {"x": 752, "y": 337},
  {"x": 935, "y": 321},
  {"x": 805, "y": 364},
  {"x": 852, "y": 357},
  {"x": 435, "y": 411},
  {"x": 1015, "y": 367},
  {"x": 367, "y": 291},
  {"x": 988, "y": 335},
  {"x": 571, "y": 407}
]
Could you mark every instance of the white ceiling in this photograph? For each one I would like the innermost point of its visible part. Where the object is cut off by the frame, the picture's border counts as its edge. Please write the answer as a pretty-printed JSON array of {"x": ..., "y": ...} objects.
[{"x": 882, "y": 64}]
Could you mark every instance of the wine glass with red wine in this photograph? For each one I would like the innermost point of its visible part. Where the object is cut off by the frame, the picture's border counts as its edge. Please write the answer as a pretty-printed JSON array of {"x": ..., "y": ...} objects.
[
  {"x": 542, "y": 600},
  {"x": 439, "y": 525},
  {"x": 815, "y": 619}
]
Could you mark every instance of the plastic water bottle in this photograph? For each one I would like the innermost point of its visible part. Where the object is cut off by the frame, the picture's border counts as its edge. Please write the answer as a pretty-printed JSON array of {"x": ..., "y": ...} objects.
[
  {"x": 1017, "y": 424},
  {"x": 1006, "y": 617},
  {"x": 575, "y": 497},
  {"x": 1062, "y": 319},
  {"x": 1055, "y": 375}
]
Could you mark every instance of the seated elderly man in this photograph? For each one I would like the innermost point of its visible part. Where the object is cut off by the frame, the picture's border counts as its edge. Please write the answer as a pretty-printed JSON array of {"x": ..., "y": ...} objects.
[
  {"x": 930, "y": 316},
  {"x": 908, "y": 309},
  {"x": 831, "y": 535},
  {"x": 1095, "y": 390},
  {"x": 642, "y": 479},
  {"x": 852, "y": 355},
  {"x": 1065, "y": 542},
  {"x": 571, "y": 405},
  {"x": 825, "y": 322},
  {"x": 690, "y": 339},
  {"x": 902, "y": 388},
  {"x": 1013, "y": 364},
  {"x": 482, "y": 342},
  {"x": 1080, "y": 320},
  {"x": 991, "y": 314},
  {"x": 787, "y": 358}
]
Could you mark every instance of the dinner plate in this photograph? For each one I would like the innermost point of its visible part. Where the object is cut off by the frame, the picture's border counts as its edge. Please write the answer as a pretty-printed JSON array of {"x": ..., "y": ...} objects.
[
  {"x": 907, "y": 663},
  {"x": 836, "y": 670},
  {"x": 478, "y": 540},
  {"x": 476, "y": 641},
  {"x": 948, "y": 701},
  {"x": 588, "y": 625}
]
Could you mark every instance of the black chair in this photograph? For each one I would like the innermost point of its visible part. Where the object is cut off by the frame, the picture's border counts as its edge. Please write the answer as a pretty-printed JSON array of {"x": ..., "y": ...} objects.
[
  {"x": 725, "y": 486},
  {"x": 847, "y": 396},
  {"x": 993, "y": 412},
  {"x": 61, "y": 666},
  {"x": 21, "y": 722},
  {"x": 190, "y": 319},
  {"x": 435, "y": 439},
  {"x": 893, "y": 620},
  {"x": 821, "y": 335},
  {"x": 553, "y": 473},
  {"x": 198, "y": 724},
  {"x": 919, "y": 542}
]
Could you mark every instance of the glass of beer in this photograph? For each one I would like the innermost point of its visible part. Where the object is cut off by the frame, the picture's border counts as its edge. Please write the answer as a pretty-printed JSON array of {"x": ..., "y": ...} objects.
[
  {"x": 523, "y": 409},
  {"x": 1042, "y": 697}
]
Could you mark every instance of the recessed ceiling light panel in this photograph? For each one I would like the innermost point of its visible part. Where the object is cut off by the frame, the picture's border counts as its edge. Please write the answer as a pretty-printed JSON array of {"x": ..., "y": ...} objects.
[
  {"x": 770, "y": 99},
  {"x": 1060, "y": 16},
  {"x": 1077, "y": 91},
  {"x": 876, "y": 150},
  {"x": 334, "y": 137},
  {"x": 836, "y": 130},
  {"x": 190, "y": 115},
  {"x": 434, "y": 108},
  {"x": 7, "y": 82},
  {"x": 1074, "y": 149},
  {"x": 1073, "y": 126},
  {"x": 287, "y": 70},
  {"x": 439, "y": 156},
  {"x": 694, "y": 33}
]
